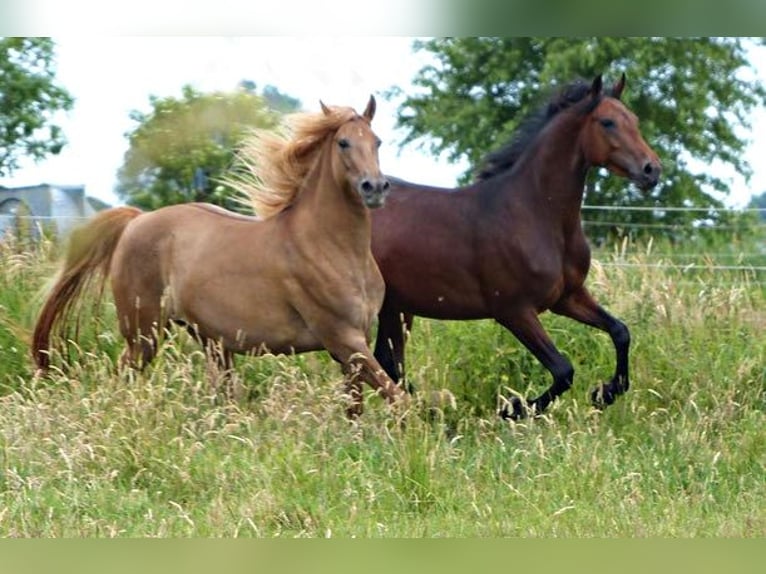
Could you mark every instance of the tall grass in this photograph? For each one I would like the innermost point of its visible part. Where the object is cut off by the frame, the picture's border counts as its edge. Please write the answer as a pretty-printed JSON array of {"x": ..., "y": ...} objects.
[{"x": 90, "y": 451}]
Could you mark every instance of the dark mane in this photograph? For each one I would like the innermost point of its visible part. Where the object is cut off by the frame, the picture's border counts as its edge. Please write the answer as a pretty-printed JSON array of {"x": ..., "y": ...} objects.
[{"x": 503, "y": 159}]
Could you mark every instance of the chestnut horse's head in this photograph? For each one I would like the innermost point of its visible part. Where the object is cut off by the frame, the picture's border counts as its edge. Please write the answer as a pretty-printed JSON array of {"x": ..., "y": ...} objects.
[
  {"x": 355, "y": 157},
  {"x": 273, "y": 166},
  {"x": 611, "y": 138}
]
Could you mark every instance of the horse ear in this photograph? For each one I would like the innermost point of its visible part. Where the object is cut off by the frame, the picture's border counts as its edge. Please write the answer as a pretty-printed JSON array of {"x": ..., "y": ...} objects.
[
  {"x": 618, "y": 87},
  {"x": 369, "y": 111},
  {"x": 325, "y": 109},
  {"x": 595, "y": 88}
]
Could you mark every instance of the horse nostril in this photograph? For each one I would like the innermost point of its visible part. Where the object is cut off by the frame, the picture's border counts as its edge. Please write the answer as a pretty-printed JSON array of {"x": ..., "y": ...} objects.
[
  {"x": 385, "y": 185},
  {"x": 651, "y": 174},
  {"x": 367, "y": 186}
]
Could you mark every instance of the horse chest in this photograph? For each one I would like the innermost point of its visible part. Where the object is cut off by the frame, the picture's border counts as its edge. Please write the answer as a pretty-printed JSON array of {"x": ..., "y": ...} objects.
[
  {"x": 368, "y": 299},
  {"x": 348, "y": 292}
]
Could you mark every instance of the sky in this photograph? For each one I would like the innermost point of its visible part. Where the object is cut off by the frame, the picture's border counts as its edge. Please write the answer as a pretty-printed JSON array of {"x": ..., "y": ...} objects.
[{"x": 111, "y": 76}]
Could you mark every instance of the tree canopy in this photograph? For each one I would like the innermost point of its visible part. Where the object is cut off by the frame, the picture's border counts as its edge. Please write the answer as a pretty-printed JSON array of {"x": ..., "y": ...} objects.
[
  {"x": 29, "y": 98},
  {"x": 179, "y": 151},
  {"x": 693, "y": 98}
]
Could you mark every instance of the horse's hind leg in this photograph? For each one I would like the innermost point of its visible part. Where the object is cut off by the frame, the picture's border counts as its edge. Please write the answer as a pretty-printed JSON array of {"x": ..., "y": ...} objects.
[
  {"x": 527, "y": 328},
  {"x": 581, "y": 307},
  {"x": 141, "y": 348},
  {"x": 140, "y": 328},
  {"x": 393, "y": 329},
  {"x": 220, "y": 360}
]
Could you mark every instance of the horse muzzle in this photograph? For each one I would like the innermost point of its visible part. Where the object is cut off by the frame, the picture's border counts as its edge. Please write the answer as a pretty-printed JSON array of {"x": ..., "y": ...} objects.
[
  {"x": 373, "y": 191},
  {"x": 649, "y": 175},
  {"x": 646, "y": 176}
]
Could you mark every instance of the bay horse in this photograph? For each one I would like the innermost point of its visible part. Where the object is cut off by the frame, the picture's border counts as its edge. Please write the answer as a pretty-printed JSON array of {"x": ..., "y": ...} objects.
[
  {"x": 511, "y": 245},
  {"x": 298, "y": 277}
]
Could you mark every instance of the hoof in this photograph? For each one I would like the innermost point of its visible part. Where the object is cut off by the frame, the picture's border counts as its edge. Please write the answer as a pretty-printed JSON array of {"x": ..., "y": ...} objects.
[
  {"x": 603, "y": 396},
  {"x": 354, "y": 410},
  {"x": 516, "y": 409},
  {"x": 353, "y": 414}
]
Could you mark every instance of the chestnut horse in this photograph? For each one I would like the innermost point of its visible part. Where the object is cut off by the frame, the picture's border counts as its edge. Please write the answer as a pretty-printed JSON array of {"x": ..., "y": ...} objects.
[
  {"x": 299, "y": 278},
  {"x": 511, "y": 245}
]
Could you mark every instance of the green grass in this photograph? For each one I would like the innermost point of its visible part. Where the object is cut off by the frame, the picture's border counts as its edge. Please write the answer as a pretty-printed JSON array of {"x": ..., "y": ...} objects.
[{"x": 92, "y": 452}]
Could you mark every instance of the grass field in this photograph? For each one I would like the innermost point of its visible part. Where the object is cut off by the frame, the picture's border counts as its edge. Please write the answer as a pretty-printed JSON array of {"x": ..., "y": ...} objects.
[{"x": 90, "y": 452}]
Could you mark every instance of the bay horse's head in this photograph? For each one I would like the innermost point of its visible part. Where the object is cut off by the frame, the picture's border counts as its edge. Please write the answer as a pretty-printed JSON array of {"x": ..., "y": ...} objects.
[
  {"x": 355, "y": 157},
  {"x": 611, "y": 138}
]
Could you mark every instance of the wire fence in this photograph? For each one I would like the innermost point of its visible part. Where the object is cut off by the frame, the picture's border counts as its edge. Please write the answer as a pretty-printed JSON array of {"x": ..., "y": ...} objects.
[
  {"x": 585, "y": 208},
  {"x": 758, "y": 210},
  {"x": 749, "y": 259}
]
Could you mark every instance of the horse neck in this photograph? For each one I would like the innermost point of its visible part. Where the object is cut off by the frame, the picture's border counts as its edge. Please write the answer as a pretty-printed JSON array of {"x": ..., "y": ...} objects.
[
  {"x": 332, "y": 210},
  {"x": 557, "y": 167}
]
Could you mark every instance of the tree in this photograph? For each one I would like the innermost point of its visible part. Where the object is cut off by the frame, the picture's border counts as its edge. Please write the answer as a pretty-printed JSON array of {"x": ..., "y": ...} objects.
[
  {"x": 692, "y": 97},
  {"x": 29, "y": 98},
  {"x": 182, "y": 148},
  {"x": 279, "y": 101},
  {"x": 759, "y": 202}
]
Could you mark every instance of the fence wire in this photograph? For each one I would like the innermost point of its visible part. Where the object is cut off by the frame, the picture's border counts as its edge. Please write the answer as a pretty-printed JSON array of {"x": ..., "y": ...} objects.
[{"x": 686, "y": 262}]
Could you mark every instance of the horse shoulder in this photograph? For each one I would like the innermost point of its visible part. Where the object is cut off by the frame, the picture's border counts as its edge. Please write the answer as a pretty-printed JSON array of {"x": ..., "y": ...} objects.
[{"x": 375, "y": 289}]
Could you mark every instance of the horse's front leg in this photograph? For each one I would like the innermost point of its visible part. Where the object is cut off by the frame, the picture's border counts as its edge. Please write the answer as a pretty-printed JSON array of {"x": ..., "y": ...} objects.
[
  {"x": 393, "y": 328},
  {"x": 526, "y": 327},
  {"x": 360, "y": 366},
  {"x": 580, "y": 306}
]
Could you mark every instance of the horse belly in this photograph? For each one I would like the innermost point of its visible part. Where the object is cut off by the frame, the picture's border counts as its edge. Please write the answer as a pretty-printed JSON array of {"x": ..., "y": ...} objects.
[
  {"x": 438, "y": 300},
  {"x": 270, "y": 327},
  {"x": 245, "y": 306}
]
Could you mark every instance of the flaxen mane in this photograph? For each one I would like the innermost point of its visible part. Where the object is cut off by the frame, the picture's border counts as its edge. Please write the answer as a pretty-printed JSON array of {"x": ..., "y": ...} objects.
[{"x": 271, "y": 166}]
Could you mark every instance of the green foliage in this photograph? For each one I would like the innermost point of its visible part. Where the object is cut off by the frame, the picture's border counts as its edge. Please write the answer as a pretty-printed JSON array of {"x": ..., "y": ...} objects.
[
  {"x": 29, "y": 98},
  {"x": 692, "y": 96},
  {"x": 279, "y": 101},
  {"x": 759, "y": 202},
  {"x": 180, "y": 150}
]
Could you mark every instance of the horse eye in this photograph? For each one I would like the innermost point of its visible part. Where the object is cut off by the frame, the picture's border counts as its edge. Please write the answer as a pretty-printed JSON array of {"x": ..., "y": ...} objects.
[
  {"x": 344, "y": 143},
  {"x": 607, "y": 123},
  {"x": 378, "y": 142}
]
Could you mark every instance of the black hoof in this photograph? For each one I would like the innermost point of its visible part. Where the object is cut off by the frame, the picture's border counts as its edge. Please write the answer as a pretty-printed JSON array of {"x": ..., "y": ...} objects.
[
  {"x": 603, "y": 396},
  {"x": 516, "y": 409}
]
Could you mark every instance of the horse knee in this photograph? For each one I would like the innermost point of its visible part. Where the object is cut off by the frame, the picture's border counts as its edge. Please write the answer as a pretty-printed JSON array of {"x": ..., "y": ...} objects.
[{"x": 620, "y": 334}]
